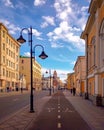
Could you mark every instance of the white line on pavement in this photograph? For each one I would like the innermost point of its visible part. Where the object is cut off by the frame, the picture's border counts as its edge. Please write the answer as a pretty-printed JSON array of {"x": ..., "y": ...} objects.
[
  {"x": 58, "y": 107},
  {"x": 59, "y": 116},
  {"x": 15, "y": 99},
  {"x": 59, "y": 125}
]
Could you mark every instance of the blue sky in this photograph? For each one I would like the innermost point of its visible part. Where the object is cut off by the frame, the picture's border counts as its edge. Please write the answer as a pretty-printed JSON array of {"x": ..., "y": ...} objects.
[{"x": 57, "y": 25}]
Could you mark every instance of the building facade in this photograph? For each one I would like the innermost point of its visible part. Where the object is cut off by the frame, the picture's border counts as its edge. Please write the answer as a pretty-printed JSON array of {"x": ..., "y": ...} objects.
[
  {"x": 47, "y": 83},
  {"x": 70, "y": 80},
  {"x": 80, "y": 75},
  {"x": 55, "y": 79},
  {"x": 9, "y": 61},
  {"x": 52, "y": 81},
  {"x": 25, "y": 70},
  {"x": 93, "y": 35}
]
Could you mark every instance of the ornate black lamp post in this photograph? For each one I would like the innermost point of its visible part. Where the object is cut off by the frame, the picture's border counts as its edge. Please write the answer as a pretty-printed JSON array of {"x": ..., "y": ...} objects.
[{"x": 42, "y": 56}]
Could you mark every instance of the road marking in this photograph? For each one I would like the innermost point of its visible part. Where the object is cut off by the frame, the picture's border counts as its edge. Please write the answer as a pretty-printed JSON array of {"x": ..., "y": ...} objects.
[
  {"x": 68, "y": 110},
  {"x": 50, "y": 109},
  {"x": 59, "y": 116},
  {"x": 59, "y": 125},
  {"x": 58, "y": 107},
  {"x": 16, "y": 99}
]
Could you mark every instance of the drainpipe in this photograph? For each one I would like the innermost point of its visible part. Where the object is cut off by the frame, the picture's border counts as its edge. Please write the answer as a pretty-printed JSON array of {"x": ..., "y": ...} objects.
[{"x": 86, "y": 94}]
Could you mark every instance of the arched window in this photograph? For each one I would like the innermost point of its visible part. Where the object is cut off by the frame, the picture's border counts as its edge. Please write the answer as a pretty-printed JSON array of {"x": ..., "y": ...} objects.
[{"x": 102, "y": 44}]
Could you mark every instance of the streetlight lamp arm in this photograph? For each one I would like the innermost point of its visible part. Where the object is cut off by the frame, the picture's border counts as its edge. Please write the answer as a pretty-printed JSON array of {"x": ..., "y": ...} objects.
[
  {"x": 36, "y": 46},
  {"x": 43, "y": 55},
  {"x": 22, "y": 40},
  {"x": 24, "y": 29}
]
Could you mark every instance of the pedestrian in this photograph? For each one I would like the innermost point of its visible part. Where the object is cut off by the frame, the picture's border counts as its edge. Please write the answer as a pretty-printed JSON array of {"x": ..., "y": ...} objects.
[
  {"x": 71, "y": 90},
  {"x": 74, "y": 91},
  {"x": 21, "y": 89}
]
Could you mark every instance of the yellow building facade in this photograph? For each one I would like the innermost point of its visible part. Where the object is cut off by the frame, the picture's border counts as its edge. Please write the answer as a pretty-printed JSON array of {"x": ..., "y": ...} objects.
[
  {"x": 9, "y": 61},
  {"x": 93, "y": 35},
  {"x": 25, "y": 70},
  {"x": 70, "y": 80},
  {"x": 80, "y": 75}
]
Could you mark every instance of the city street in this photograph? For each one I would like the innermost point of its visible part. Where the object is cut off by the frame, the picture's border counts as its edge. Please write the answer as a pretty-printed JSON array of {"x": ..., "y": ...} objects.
[
  {"x": 52, "y": 65},
  {"x": 58, "y": 113},
  {"x": 13, "y": 102}
]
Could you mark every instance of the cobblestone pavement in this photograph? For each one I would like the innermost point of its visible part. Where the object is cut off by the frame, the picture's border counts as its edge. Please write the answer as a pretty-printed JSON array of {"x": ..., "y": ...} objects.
[
  {"x": 23, "y": 119},
  {"x": 91, "y": 113}
]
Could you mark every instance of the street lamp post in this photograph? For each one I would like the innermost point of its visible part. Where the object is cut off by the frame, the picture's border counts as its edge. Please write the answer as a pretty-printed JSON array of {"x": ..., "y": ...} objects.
[{"x": 42, "y": 55}]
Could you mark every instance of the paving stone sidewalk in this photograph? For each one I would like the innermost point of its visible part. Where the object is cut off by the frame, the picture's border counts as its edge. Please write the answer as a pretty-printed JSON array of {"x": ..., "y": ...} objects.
[
  {"x": 91, "y": 113},
  {"x": 23, "y": 119},
  {"x": 4, "y": 94}
]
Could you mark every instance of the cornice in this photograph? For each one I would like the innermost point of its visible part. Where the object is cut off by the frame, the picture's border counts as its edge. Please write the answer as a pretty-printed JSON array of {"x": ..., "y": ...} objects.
[{"x": 94, "y": 5}]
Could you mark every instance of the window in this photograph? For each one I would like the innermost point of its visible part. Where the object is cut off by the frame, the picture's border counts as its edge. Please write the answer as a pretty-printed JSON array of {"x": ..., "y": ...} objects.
[
  {"x": 3, "y": 33},
  {"x": 1, "y": 83},
  {"x": 17, "y": 77},
  {"x": 6, "y": 39},
  {"x": 7, "y": 51},
  {"x": 7, "y": 73},
  {"x": 93, "y": 50},
  {"x": 4, "y": 46},
  {"x": 22, "y": 61},
  {"x": 3, "y": 72},
  {"x": 7, "y": 62},
  {"x": 3, "y": 59},
  {"x": 16, "y": 49},
  {"x": 17, "y": 58}
]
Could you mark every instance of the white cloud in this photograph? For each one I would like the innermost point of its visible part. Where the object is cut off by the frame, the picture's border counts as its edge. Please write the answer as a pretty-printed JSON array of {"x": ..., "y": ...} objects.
[
  {"x": 84, "y": 8},
  {"x": 73, "y": 62},
  {"x": 72, "y": 19},
  {"x": 44, "y": 24},
  {"x": 8, "y": 3},
  {"x": 11, "y": 27},
  {"x": 27, "y": 54},
  {"x": 63, "y": 9},
  {"x": 48, "y": 20},
  {"x": 56, "y": 45},
  {"x": 57, "y": 31},
  {"x": 64, "y": 26},
  {"x": 66, "y": 34},
  {"x": 36, "y": 32},
  {"x": 39, "y": 2}
]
